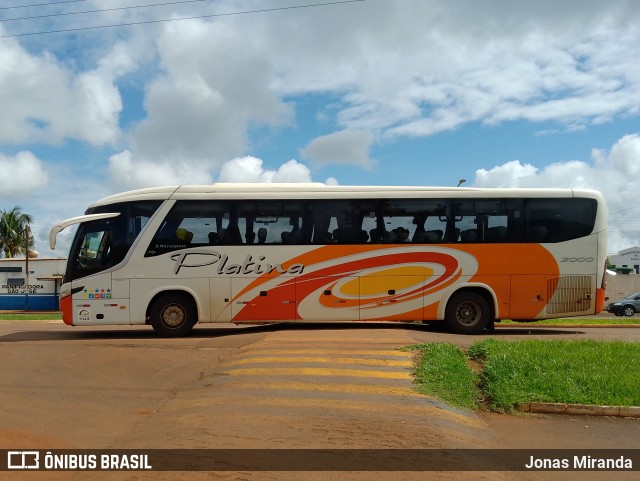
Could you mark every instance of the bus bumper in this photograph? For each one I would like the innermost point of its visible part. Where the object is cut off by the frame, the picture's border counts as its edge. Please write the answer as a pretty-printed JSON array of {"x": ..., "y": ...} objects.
[
  {"x": 66, "y": 305},
  {"x": 600, "y": 300}
]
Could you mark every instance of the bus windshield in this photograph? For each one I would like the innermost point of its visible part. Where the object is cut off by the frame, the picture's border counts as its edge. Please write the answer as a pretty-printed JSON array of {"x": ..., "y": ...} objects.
[{"x": 103, "y": 243}]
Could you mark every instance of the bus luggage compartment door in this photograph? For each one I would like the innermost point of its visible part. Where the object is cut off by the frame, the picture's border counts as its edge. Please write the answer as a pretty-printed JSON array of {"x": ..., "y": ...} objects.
[
  {"x": 398, "y": 298},
  {"x": 263, "y": 302},
  {"x": 328, "y": 298},
  {"x": 528, "y": 296}
]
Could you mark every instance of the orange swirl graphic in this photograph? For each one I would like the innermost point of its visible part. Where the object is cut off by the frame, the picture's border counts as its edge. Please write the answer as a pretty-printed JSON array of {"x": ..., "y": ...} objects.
[{"x": 357, "y": 285}]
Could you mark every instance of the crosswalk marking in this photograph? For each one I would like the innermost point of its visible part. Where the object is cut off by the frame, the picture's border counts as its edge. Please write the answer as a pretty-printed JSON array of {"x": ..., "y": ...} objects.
[
  {"x": 321, "y": 360},
  {"x": 438, "y": 412},
  {"x": 312, "y": 371},
  {"x": 375, "y": 389},
  {"x": 333, "y": 352}
]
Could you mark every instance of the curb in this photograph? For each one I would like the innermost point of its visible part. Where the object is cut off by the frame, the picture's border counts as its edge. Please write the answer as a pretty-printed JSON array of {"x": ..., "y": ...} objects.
[{"x": 579, "y": 409}]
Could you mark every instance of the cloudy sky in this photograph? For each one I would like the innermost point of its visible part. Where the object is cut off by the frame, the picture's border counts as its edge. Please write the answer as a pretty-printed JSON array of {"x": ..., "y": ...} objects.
[{"x": 502, "y": 93}]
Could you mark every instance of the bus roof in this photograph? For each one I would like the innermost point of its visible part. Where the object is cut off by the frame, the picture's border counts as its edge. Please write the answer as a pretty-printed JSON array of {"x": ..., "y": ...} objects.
[{"x": 319, "y": 191}]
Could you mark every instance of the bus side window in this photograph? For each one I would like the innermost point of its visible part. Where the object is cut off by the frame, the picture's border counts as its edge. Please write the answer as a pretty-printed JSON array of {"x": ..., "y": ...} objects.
[
  {"x": 488, "y": 220},
  {"x": 466, "y": 221},
  {"x": 343, "y": 221},
  {"x": 564, "y": 219},
  {"x": 419, "y": 221},
  {"x": 190, "y": 223}
]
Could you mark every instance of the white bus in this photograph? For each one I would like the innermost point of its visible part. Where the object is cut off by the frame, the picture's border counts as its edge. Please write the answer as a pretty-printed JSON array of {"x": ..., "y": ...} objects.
[{"x": 263, "y": 253}]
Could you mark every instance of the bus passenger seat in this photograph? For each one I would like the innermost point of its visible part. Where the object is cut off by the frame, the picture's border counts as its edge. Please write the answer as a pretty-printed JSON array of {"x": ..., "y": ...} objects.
[
  {"x": 496, "y": 234},
  {"x": 296, "y": 236},
  {"x": 184, "y": 235},
  {"x": 231, "y": 236},
  {"x": 427, "y": 237},
  {"x": 262, "y": 235},
  {"x": 470, "y": 235},
  {"x": 537, "y": 233}
]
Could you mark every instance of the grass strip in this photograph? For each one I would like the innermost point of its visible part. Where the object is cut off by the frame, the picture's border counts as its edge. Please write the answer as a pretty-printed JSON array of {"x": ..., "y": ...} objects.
[
  {"x": 31, "y": 316},
  {"x": 578, "y": 372},
  {"x": 441, "y": 370},
  {"x": 514, "y": 372}
]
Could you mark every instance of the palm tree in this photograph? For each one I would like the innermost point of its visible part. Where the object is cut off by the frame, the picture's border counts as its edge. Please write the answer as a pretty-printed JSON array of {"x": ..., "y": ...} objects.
[{"x": 13, "y": 225}]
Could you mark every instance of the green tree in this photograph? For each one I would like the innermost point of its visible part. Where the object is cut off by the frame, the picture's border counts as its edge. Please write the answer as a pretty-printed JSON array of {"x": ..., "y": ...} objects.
[{"x": 13, "y": 225}]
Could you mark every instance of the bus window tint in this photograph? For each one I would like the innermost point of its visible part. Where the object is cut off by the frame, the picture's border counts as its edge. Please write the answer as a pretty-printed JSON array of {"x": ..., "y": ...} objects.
[
  {"x": 420, "y": 221},
  {"x": 465, "y": 221},
  {"x": 558, "y": 220},
  {"x": 342, "y": 221},
  {"x": 189, "y": 224},
  {"x": 488, "y": 220},
  {"x": 271, "y": 222}
]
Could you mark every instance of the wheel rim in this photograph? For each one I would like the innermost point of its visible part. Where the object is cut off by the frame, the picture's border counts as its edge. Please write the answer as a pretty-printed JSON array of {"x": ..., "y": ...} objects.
[
  {"x": 629, "y": 312},
  {"x": 468, "y": 313},
  {"x": 173, "y": 316}
]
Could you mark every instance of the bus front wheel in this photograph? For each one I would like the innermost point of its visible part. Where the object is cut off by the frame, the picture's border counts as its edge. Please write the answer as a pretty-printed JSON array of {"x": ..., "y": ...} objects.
[
  {"x": 467, "y": 313},
  {"x": 173, "y": 315}
]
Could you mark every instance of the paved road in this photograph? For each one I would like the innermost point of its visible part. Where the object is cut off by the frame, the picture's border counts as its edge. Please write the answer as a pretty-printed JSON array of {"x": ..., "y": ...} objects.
[{"x": 289, "y": 386}]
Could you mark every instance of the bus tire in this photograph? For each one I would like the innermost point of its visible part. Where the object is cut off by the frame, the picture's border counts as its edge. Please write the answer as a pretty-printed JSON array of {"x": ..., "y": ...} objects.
[
  {"x": 467, "y": 313},
  {"x": 173, "y": 315}
]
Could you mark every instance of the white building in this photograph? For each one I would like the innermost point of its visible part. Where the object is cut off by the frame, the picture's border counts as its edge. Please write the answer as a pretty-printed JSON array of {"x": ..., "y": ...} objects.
[
  {"x": 626, "y": 261},
  {"x": 36, "y": 290}
]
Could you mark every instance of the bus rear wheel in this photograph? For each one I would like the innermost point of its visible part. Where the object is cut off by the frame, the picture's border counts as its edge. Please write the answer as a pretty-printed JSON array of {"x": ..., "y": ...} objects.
[
  {"x": 467, "y": 313},
  {"x": 173, "y": 315}
]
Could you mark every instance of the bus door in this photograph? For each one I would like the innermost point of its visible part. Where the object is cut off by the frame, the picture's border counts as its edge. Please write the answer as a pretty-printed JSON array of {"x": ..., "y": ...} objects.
[{"x": 97, "y": 299}]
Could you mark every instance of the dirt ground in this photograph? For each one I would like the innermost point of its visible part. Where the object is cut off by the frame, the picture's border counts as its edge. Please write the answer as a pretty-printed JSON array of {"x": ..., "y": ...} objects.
[{"x": 286, "y": 387}]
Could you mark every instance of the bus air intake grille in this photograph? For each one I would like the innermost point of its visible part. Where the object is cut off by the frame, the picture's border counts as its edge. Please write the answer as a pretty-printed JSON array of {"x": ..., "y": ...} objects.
[{"x": 569, "y": 294}]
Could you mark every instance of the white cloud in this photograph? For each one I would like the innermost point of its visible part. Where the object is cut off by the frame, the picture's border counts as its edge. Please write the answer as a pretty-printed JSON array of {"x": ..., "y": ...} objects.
[
  {"x": 215, "y": 85},
  {"x": 43, "y": 100},
  {"x": 129, "y": 172},
  {"x": 615, "y": 173},
  {"x": 345, "y": 147},
  {"x": 250, "y": 169},
  {"x": 413, "y": 68},
  {"x": 22, "y": 175},
  {"x": 394, "y": 69}
]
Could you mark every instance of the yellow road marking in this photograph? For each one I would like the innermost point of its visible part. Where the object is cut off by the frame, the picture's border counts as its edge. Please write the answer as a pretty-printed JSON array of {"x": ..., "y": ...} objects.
[
  {"x": 311, "y": 371},
  {"x": 441, "y": 414},
  {"x": 334, "y": 388},
  {"x": 334, "y": 352},
  {"x": 337, "y": 360}
]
